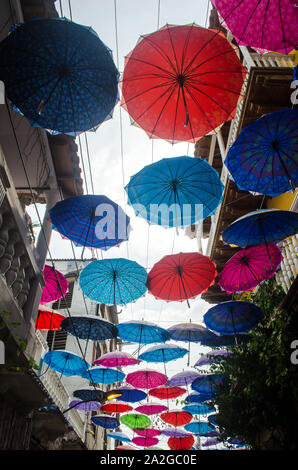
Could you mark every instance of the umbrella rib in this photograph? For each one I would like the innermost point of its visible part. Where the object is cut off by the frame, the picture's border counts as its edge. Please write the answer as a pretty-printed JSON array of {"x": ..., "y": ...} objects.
[
  {"x": 160, "y": 51},
  {"x": 210, "y": 98},
  {"x": 142, "y": 61},
  {"x": 249, "y": 20}
]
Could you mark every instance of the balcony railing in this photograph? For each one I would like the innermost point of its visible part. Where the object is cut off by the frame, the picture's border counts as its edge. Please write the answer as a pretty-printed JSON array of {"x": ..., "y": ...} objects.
[{"x": 289, "y": 265}]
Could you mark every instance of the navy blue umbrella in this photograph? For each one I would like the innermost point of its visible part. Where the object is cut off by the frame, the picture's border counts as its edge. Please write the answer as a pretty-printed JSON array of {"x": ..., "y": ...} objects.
[
  {"x": 89, "y": 327},
  {"x": 105, "y": 421},
  {"x": 212, "y": 418},
  {"x": 233, "y": 317},
  {"x": 207, "y": 383},
  {"x": 130, "y": 394},
  {"x": 220, "y": 341},
  {"x": 59, "y": 74},
  {"x": 89, "y": 393},
  {"x": 198, "y": 397},
  {"x": 92, "y": 221}
]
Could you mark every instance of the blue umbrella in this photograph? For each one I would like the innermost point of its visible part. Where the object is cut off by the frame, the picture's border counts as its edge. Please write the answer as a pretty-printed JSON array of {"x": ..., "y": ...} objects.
[
  {"x": 105, "y": 421},
  {"x": 189, "y": 186},
  {"x": 113, "y": 281},
  {"x": 200, "y": 409},
  {"x": 263, "y": 159},
  {"x": 119, "y": 436},
  {"x": 89, "y": 393},
  {"x": 90, "y": 221},
  {"x": 89, "y": 327},
  {"x": 212, "y": 418},
  {"x": 59, "y": 74},
  {"x": 103, "y": 375},
  {"x": 199, "y": 427},
  {"x": 207, "y": 383},
  {"x": 198, "y": 397},
  {"x": 233, "y": 317},
  {"x": 213, "y": 356},
  {"x": 163, "y": 353},
  {"x": 130, "y": 394},
  {"x": 65, "y": 362},
  {"x": 261, "y": 227},
  {"x": 221, "y": 341},
  {"x": 142, "y": 332}
]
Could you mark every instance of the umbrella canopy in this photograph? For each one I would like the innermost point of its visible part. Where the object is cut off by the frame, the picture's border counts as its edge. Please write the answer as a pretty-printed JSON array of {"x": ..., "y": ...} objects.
[
  {"x": 116, "y": 407},
  {"x": 181, "y": 276},
  {"x": 174, "y": 432},
  {"x": 181, "y": 82},
  {"x": 199, "y": 427},
  {"x": 213, "y": 356},
  {"x": 136, "y": 421},
  {"x": 116, "y": 359},
  {"x": 200, "y": 409},
  {"x": 102, "y": 375},
  {"x": 175, "y": 192},
  {"x": 233, "y": 317},
  {"x": 105, "y": 421},
  {"x": 207, "y": 383},
  {"x": 149, "y": 432},
  {"x": 119, "y": 436},
  {"x": 151, "y": 408},
  {"x": 90, "y": 221},
  {"x": 261, "y": 24},
  {"x": 131, "y": 394},
  {"x": 89, "y": 393},
  {"x": 89, "y": 327},
  {"x": 176, "y": 417},
  {"x": 47, "y": 319},
  {"x": 65, "y": 362},
  {"x": 221, "y": 341},
  {"x": 125, "y": 447},
  {"x": 163, "y": 353},
  {"x": 250, "y": 267},
  {"x": 263, "y": 157},
  {"x": 189, "y": 332},
  {"x": 212, "y": 419},
  {"x": 145, "y": 441},
  {"x": 142, "y": 332},
  {"x": 56, "y": 286},
  {"x": 146, "y": 379},
  {"x": 165, "y": 393},
  {"x": 116, "y": 281},
  {"x": 183, "y": 378},
  {"x": 212, "y": 441},
  {"x": 59, "y": 74},
  {"x": 85, "y": 406},
  {"x": 198, "y": 397},
  {"x": 181, "y": 443},
  {"x": 262, "y": 226}
]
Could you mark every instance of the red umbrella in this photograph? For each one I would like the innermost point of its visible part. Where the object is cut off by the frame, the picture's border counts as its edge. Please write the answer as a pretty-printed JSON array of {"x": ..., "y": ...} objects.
[
  {"x": 125, "y": 447},
  {"x": 164, "y": 393},
  {"x": 56, "y": 286},
  {"x": 181, "y": 82},
  {"x": 176, "y": 417},
  {"x": 179, "y": 443},
  {"x": 116, "y": 407},
  {"x": 146, "y": 379},
  {"x": 48, "y": 319},
  {"x": 181, "y": 276}
]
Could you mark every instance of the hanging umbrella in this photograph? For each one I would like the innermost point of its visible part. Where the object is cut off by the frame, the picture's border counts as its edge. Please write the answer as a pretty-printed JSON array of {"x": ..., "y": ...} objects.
[
  {"x": 119, "y": 436},
  {"x": 149, "y": 432},
  {"x": 183, "y": 378},
  {"x": 89, "y": 394},
  {"x": 181, "y": 276},
  {"x": 105, "y": 421},
  {"x": 212, "y": 419},
  {"x": 181, "y": 82},
  {"x": 48, "y": 319},
  {"x": 199, "y": 427},
  {"x": 176, "y": 417},
  {"x": 233, "y": 317},
  {"x": 126, "y": 447},
  {"x": 263, "y": 157},
  {"x": 131, "y": 394},
  {"x": 165, "y": 393},
  {"x": 212, "y": 441},
  {"x": 90, "y": 221},
  {"x": 199, "y": 409},
  {"x": 89, "y": 327},
  {"x": 116, "y": 359},
  {"x": 102, "y": 375},
  {"x": 142, "y": 332},
  {"x": 151, "y": 408},
  {"x": 174, "y": 432},
  {"x": 115, "y": 281},
  {"x": 181, "y": 443},
  {"x": 175, "y": 192},
  {"x": 261, "y": 227},
  {"x": 136, "y": 421},
  {"x": 163, "y": 353},
  {"x": 116, "y": 407},
  {"x": 250, "y": 267},
  {"x": 221, "y": 341},
  {"x": 198, "y": 397},
  {"x": 65, "y": 362},
  {"x": 84, "y": 406},
  {"x": 214, "y": 356},
  {"x": 207, "y": 383},
  {"x": 145, "y": 441},
  {"x": 146, "y": 379},
  {"x": 56, "y": 286},
  {"x": 261, "y": 24},
  {"x": 59, "y": 74}
]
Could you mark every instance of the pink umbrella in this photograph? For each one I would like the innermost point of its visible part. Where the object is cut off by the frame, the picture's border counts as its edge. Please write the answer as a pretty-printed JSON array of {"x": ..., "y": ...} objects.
[
  {"x": 116, "y": 359},
  {"x": 249, "y": 268},
  {"x": 146, "y": 379},
  {"x": 151, "y": 408},
  {"x": 149, "y": 432},
  {"x": 145, "y": 441},
  {"x": 56, "y": 286}
]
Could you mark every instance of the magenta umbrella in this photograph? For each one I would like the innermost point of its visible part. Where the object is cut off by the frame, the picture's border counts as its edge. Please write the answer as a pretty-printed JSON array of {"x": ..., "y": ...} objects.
[
  {"x": 149, "y": 432},
  {"x": 116, "y": 359},
  {"x": 250, "y": 267},
  {"x": 146, "y": 379},
  {"x": 262, "y": 24},
  {"x": 145, "y": 441},
  {"x": 151, "y": 408},
  {"x": 56, "y": 286}
]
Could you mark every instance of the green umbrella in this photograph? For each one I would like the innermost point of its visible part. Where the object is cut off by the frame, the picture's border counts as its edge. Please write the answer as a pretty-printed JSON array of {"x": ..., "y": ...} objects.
[{"x": 136, "y": 421}]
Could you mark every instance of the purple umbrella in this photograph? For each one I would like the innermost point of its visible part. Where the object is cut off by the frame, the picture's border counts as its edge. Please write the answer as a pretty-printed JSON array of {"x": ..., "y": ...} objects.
[
  {"x": 85, "y": 406},
  {"x": 211, "y": 442},
  {"x": 174, "y": 432},
  {"x": 212, "y": 356},
  {"x": 183, "y": 378}
]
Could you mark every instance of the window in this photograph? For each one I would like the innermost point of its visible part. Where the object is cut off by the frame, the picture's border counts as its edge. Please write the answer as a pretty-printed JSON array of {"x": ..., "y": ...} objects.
[
  {"x": 67, "y": 300},
  {"x": 56, "y": 339}
]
